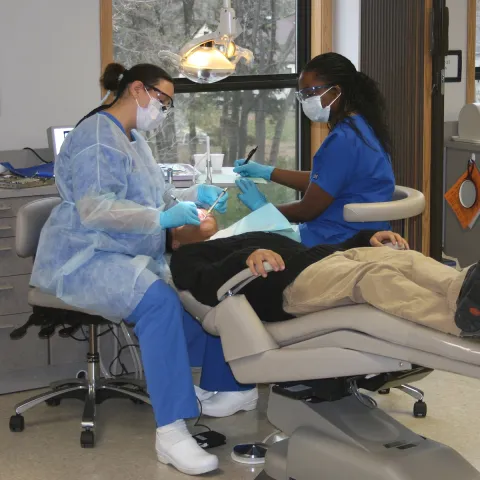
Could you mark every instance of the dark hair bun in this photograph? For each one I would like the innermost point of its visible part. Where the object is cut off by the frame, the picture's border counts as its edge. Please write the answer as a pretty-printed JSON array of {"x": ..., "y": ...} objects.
[{"x": 111, "y": 77}]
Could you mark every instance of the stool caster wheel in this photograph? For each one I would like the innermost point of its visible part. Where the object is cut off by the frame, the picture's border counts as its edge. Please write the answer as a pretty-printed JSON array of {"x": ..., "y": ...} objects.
[
  {"x": 420, "y": 409},
  {"x": 385, "y": 391},
  {"x": 136, "y": 401},
  {"x": 53, "y": 402},
  {"x": 87, "y": 439},
  {"x": 17, "y": 423}
]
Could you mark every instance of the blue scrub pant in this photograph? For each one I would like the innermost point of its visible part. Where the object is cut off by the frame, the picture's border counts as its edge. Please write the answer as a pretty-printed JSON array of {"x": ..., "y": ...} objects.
[
  {"x": 164, "y": 330},
  {"x": 206, "y": 351}
]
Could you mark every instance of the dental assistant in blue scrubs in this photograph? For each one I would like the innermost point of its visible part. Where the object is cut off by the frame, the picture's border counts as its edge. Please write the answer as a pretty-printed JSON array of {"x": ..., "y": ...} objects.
[{"x": 352, "y": 165}]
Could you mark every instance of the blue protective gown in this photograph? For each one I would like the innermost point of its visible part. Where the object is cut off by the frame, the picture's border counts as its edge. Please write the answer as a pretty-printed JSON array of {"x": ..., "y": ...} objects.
[
  {"x": 102, "y": 250},
  {"x": 103, "y": 246}
]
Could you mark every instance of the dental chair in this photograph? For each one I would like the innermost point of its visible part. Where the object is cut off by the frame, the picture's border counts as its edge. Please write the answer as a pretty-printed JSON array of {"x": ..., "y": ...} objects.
[{"x": 319, "y": 364}]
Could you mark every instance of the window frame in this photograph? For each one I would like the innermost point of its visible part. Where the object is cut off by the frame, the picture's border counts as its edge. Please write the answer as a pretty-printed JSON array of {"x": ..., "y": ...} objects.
[{"x": 313, "y": 36}]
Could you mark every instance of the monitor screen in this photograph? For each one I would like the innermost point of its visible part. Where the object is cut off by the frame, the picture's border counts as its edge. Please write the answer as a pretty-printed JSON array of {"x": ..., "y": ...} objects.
[
  {"x": 56, "y": 136},
  {"x": 59, "y": 135}
]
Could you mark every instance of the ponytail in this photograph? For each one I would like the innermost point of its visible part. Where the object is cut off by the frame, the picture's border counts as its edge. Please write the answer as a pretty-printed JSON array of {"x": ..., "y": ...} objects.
[
  {"x": 116, "y": 79},
  {"x": 369, "y": 102}
]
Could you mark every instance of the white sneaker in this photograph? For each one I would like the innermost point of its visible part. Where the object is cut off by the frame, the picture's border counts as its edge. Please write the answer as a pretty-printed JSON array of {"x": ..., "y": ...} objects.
[
  {"x": 175, "y": 446},
  {"x": 202, "y": 394},
  {"x": 224, "y": 404}
]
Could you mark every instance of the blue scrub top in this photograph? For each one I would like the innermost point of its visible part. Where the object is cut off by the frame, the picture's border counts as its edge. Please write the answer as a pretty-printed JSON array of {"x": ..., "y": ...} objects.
[{"x": 351, "y": 170}]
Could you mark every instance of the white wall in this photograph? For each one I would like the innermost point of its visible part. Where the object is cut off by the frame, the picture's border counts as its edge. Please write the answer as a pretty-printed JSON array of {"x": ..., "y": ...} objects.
[
  {"x": 49, "y": 67},
  {"x": 455, "y": 93},
  {"x": 346, "y": 29}
]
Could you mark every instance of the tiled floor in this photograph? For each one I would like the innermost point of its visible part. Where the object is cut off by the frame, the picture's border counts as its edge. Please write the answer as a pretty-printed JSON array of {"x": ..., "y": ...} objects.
[{"x": 49, "y": 447}]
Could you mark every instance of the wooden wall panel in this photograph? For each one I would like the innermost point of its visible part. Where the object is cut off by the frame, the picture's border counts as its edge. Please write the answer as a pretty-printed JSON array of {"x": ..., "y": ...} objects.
[
  {"x": 106, "y": 34},
  {"x": 471, "y": 46},
  {"x": 321, "y": 42},
  {"x": 394, "y": 52}
]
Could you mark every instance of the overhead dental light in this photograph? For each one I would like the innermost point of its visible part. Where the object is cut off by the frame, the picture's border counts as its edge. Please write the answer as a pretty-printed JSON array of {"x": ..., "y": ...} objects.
[{"x": 213, "y": 57}]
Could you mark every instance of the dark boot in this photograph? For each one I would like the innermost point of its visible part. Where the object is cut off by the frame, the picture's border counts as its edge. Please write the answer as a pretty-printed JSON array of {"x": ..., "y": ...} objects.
[{"x": 467, "y": 316}]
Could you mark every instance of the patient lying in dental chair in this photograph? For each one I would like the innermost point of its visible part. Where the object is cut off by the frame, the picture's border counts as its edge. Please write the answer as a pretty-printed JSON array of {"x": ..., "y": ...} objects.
[{"x": 361, "y": 270}]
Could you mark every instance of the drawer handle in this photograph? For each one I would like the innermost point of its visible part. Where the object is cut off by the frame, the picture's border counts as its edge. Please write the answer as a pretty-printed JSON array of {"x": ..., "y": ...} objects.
[
  {"x": 5, "y": 228},
  {"x": 5, "y": 208},
  {"x": 5, "y": 249},
  {"x": 4, "y": 288}
]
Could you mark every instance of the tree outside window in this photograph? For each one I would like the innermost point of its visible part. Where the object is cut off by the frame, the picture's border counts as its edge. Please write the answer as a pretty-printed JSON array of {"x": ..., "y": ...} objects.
[{"x": 236, "y": 121}]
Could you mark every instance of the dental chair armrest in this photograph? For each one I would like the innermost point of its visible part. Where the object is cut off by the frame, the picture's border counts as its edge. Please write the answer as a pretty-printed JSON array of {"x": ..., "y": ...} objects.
[
  {"x": 406, "y": 203},
  {"x": 240, "y": 280}
]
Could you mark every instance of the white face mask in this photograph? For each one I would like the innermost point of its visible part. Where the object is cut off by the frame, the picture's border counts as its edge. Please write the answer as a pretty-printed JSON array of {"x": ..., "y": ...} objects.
[
  {"x": 151, "y": 117},
  {"x": 315, "y": 111}
]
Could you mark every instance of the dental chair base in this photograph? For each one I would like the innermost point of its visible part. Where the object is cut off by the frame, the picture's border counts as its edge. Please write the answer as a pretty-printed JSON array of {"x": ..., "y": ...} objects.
[
  {"x": 351, "y": 438},
  {"x": 92, "y": 390}
]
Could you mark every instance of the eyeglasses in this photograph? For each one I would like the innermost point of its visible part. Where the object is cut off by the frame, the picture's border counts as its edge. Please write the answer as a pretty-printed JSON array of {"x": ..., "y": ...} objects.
[
  {"x": 308, "y": 92},
  {"x": 162, "y": 97}
]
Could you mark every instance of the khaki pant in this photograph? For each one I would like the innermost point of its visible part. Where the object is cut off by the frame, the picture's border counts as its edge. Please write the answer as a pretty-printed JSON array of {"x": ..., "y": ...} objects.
[{"x": 403, "y": 283}]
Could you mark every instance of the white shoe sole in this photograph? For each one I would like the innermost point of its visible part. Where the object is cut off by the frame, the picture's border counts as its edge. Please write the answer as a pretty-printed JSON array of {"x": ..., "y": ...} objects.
[
  {"x": 167, "y": 460},
  {"x": 252, "y": 405}
]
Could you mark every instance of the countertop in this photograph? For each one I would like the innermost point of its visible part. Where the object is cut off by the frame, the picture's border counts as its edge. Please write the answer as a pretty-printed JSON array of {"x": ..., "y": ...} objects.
[{"x": 28, "y": 192}]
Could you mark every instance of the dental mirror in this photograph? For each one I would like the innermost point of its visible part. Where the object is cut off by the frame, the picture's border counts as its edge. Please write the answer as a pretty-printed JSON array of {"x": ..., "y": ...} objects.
[{"x": 468, "y": 190}]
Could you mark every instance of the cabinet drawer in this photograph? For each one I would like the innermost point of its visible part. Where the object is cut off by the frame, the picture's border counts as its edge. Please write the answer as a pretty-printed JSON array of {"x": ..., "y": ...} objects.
[
  {"x": 10, "y": 206},
  {"x": 10, "y": 263},
  {"x": 7, "y": 227},
  {"x": 30, "y": 351},
  {"x": 14, "y": 295}
]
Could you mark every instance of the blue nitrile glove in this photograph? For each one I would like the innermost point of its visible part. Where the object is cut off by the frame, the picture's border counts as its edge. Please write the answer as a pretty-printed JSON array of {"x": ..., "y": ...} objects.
[
  {"x": 183, "y": 213},
  {"x": 208, "y": 194},
  {"x": 253, "y": 169},
  {"x": 251, "y": 196}
]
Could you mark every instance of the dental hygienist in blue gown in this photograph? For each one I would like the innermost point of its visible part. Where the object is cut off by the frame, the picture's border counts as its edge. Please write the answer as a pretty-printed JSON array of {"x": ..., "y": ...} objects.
[{"x": 102, "y": 249}]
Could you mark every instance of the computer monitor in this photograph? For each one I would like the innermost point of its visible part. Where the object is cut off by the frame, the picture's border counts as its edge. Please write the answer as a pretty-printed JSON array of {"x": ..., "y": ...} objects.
[{"x": 56, "y": 136}]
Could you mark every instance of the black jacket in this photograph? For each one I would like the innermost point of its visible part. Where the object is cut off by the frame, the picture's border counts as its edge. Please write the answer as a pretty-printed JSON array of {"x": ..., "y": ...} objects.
[{"x": 202, "y": 268}]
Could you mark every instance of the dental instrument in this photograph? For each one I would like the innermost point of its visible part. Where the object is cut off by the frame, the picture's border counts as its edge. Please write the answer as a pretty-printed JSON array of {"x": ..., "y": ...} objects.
[{"x": 224, "y": 191}]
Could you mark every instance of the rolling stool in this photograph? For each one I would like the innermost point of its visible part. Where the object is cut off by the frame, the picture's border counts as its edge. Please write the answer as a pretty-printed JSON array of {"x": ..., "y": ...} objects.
[{"x": 49, "y": 310}]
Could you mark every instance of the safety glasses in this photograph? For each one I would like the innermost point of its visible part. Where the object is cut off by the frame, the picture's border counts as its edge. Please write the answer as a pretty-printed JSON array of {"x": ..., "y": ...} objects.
[
  {"x": 308, "y": 92},
  {"x": 162, "y": 97}
]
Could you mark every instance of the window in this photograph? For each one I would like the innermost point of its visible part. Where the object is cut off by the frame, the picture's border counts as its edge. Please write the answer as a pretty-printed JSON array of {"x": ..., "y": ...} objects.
[
  {"x": 147, "y": 30},
  {"x": 255, "y": 107}
]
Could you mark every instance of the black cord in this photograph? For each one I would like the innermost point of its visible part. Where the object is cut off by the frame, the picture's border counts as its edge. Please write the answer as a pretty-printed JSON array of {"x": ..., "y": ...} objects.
[
  {"x": 115, "y": 335},
  {"x": 197, "y": 424},
  {"x": 73, "y": 337},
  {"x": 36, "y": 154},
  {"x": 117, "y": 357},
  {"x": 84, "y": 334},
  {"x": 108, "y": 330},
  {"x": 124, "y": 368}
]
